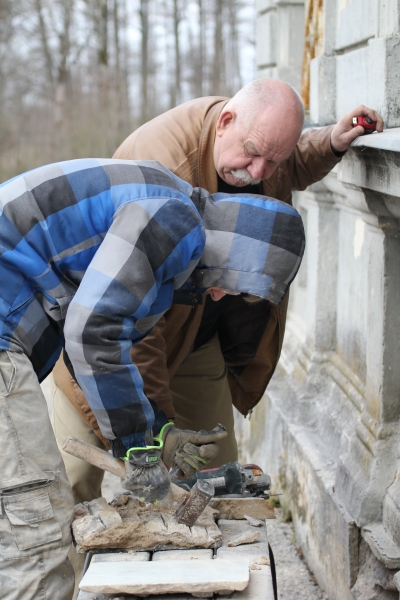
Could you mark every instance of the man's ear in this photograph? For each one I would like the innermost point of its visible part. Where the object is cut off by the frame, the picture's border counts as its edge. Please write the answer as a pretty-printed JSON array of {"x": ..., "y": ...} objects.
[{"x": 226, "y": 118}]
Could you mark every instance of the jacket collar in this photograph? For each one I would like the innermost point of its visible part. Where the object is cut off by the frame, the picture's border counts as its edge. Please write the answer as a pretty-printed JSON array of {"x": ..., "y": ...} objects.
[{"x": 206, "y": 168}]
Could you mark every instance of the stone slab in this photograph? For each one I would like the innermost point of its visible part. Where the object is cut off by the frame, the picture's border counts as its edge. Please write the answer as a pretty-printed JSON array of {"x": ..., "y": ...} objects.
[
  {"x": 389, "y": 139},
  {"x": 200, "y": 554},
  {"x": 120, "y": 557},
  {"x": 166, "y": 577},
  {"x": 89, "y": 596},
  {"x": 237, "y": 508},
  {"x": 259, "y": 588}
]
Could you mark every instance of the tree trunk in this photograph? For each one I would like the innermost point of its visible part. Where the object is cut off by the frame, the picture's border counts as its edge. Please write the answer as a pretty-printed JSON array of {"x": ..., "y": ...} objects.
[
  {"x": 176, "y": 86},
  {"x": 234, "y": 79},
  {"x": 102, "y": 33},
  {"x": 144, "y": 71},
  {"x": 218, "y": 72},
  {"x": 200, "y": 74}
]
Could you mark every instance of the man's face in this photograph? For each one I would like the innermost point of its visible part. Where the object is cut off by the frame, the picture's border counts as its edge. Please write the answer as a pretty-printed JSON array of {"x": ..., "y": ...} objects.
[{"x": 243, "y": 155}]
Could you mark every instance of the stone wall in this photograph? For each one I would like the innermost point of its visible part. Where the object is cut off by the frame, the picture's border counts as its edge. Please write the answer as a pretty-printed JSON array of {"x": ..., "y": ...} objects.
[{"x": 328, "y": 429}]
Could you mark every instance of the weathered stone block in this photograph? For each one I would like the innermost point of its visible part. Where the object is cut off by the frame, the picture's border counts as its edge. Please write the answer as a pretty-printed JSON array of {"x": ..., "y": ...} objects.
[
  {"x": 266, "y": 40},
  {"x": 370, "y": 75},
  {"x": 356, "y": 22},
  {"x": 290, "y": 18},
  {"x": 262, "y": 5},
  {"x": 352, "y": 80},
  {"x": 389, "y": 18},
  {"x": 323, "y": 90},
  {"x": 391, "y": 509},
  {"x": 382, "y": 545}
]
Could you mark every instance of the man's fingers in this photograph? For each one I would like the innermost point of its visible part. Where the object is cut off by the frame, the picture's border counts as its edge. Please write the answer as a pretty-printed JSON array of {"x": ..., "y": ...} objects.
[
  {"x": 206, "y": 437},
  {"x": 365, "y": 111},
  {"x": 206, "y": 452},
  {"x": 353, "y": 134},
  {"x": 191, "y": 458},
  {"x": 188, "y": 466}
]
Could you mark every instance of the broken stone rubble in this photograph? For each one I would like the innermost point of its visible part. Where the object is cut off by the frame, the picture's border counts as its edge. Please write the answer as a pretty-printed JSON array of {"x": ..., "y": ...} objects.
[{"x": 130, "y": 523}]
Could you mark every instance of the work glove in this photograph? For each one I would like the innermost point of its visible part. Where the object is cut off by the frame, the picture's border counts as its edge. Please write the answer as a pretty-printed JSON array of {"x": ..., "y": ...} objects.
[
  {"x": 146, "y": 475},
  {"x": 189, "y": 450}
]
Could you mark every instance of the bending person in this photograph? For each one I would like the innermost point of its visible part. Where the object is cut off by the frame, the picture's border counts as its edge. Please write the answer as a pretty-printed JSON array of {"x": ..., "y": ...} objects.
[{"x": 92, "y": 252}]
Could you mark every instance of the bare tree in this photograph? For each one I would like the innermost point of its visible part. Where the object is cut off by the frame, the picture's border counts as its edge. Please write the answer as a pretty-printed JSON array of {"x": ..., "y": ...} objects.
[
  {"x": 144, "y": 71},
  {"x": 77, "y": 76},
  {"x": 56, "y": 47},
  {"x": 233, "y": 79},
  {"x": 218, "y": 71},
  {"x": 177, "y": 15}
]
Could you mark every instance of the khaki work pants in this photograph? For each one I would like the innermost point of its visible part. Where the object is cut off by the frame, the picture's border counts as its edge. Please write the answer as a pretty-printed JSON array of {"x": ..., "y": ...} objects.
[{"x": 36, "y": 500}]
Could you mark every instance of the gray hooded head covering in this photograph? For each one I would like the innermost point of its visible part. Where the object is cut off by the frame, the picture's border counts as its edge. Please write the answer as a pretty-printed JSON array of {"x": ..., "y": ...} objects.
[{"x": 254, "y": 244}]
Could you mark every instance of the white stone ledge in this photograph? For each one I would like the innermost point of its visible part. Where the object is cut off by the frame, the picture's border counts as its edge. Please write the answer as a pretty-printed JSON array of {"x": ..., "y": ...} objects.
[
  {"x": 382, "y": 545},
  {"x": 389, "y": 139}
]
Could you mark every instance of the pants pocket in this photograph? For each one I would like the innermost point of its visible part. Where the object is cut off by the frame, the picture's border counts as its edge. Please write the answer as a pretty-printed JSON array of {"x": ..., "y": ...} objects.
[
  {"x": 29, "y": 511},
  {"x": 7, "y": 373}
]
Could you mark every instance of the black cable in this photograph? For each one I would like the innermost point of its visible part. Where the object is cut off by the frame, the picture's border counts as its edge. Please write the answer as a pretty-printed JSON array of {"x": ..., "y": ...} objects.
[{"x": 273, "y": 572}]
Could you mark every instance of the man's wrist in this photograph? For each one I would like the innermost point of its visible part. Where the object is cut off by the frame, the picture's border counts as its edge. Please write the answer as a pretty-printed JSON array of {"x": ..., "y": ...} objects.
[
  {"x": 337, "y": 153},
  {"x": 160, "y": 418},
  {"x": 120, "y": 446}
]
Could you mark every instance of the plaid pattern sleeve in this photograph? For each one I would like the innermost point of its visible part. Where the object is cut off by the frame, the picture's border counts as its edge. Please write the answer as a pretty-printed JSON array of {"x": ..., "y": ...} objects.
[
  {"x": 125, "y": 290},
  {"x": 92, "y": 251}
]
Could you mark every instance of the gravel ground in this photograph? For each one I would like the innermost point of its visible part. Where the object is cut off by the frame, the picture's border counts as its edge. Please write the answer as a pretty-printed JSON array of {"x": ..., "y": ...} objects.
[{"x": 295, "y": 582}]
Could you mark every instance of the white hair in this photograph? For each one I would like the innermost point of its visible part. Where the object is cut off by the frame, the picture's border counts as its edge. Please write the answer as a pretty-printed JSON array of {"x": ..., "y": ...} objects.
[{"x": 254, "y": 97}]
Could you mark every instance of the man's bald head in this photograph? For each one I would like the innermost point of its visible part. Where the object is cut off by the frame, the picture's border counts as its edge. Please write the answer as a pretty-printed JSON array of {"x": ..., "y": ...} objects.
[
  {"x": 257, "y": 129},
  {"x": 262, "y": 94}
]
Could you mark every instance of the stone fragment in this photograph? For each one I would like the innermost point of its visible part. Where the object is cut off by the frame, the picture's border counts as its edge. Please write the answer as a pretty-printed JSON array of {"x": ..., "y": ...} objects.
[
  {"x": 248, "y": 537},
  {"x": 256, "y": 562},
  {"x": 252, "y": 551},
  {"x": 229, "y": 528},
  {"x": 237, "y": 508},
  {"x": 254, "y": 522}
]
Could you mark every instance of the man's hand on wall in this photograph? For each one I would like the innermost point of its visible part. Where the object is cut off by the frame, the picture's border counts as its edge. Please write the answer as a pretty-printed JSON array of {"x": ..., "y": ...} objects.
[{"x": 344, "y": 133}]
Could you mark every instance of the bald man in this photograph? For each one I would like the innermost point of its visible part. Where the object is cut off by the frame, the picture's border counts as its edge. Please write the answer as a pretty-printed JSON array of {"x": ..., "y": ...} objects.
[{"x": 203, "y": 356}]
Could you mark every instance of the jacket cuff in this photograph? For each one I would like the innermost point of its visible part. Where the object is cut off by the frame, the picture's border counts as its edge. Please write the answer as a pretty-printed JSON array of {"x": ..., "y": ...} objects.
[
  {"x": 160, "y": 419},
  {"x": 331, "y": 156},
  {"x": 120, "y": 446}
]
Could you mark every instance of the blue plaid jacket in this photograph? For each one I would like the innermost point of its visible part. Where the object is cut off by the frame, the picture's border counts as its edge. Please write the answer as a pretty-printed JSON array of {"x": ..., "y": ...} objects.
[{"x": 90, "y": 253}]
